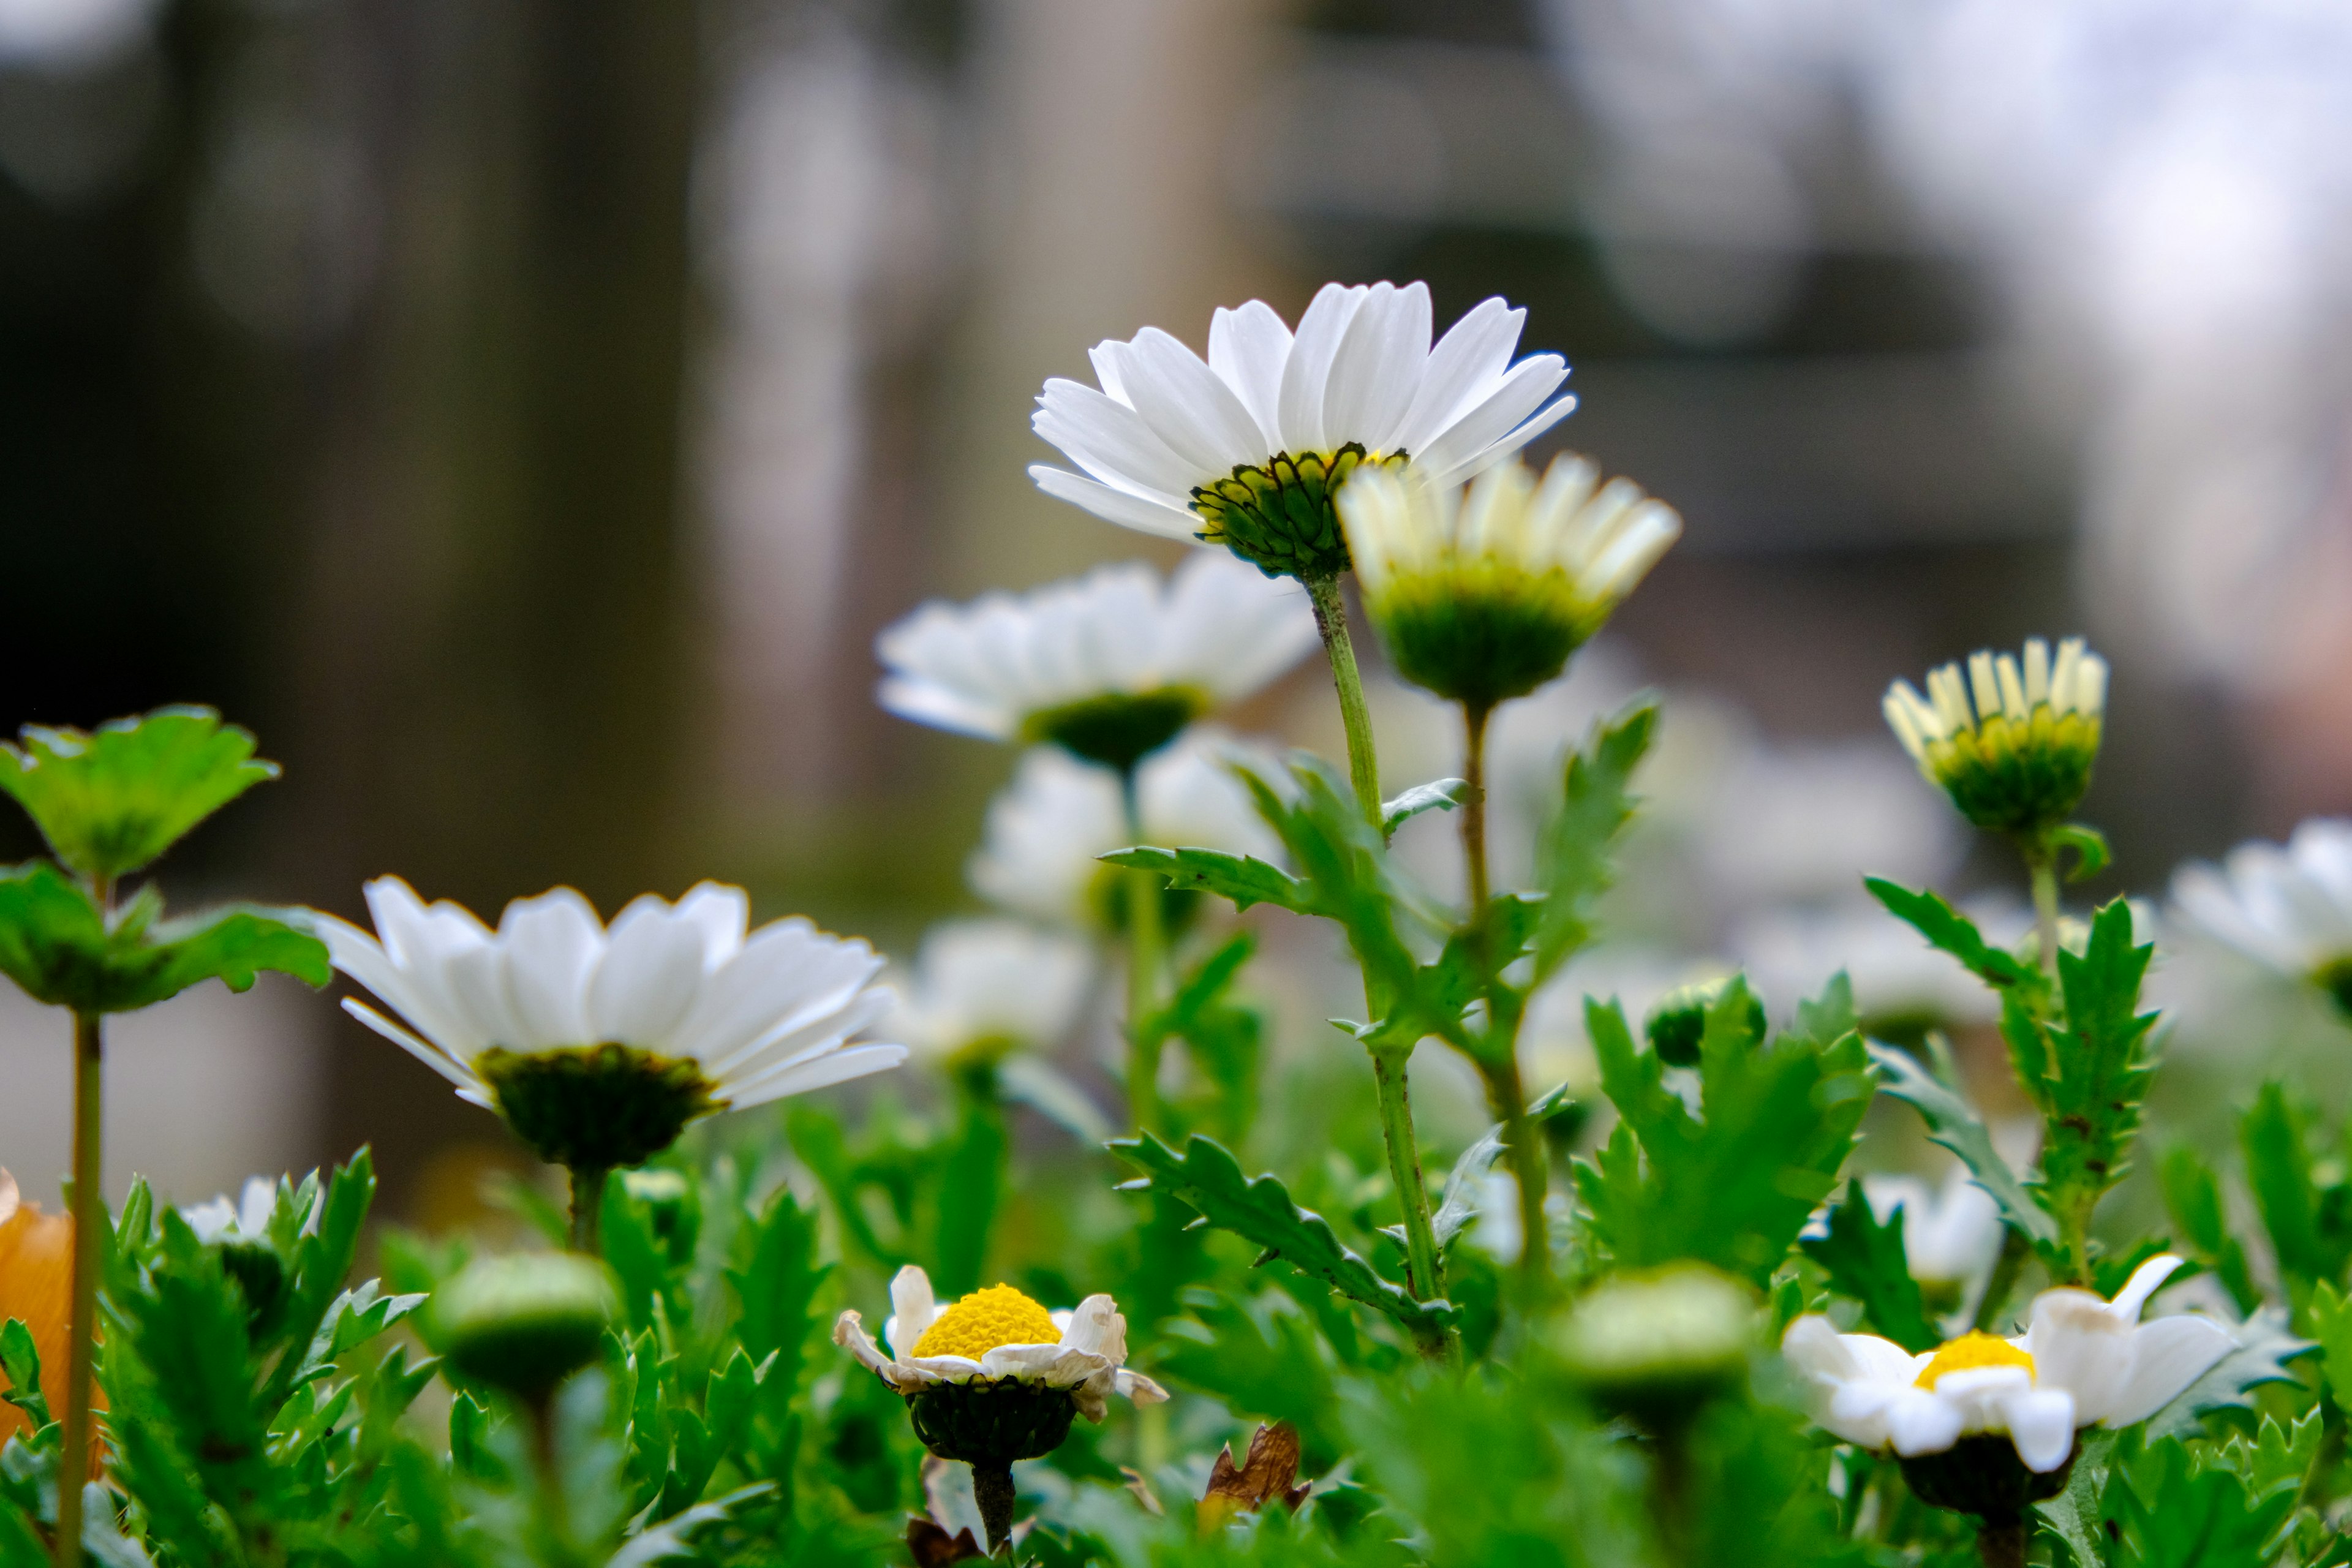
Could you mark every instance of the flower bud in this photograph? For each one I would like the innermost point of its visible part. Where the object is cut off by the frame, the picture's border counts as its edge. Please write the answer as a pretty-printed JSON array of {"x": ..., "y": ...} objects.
[
  {"x": 2011, "y": 743},
  {"x": 526, "y": 1323},
  {"x": 1657, "y": 1344},
  {"x": 1677, "y": 1024}
]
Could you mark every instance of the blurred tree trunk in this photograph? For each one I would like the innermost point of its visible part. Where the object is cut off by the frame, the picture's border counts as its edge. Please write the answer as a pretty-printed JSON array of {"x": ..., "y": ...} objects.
[{"x": 494, "y": 668}]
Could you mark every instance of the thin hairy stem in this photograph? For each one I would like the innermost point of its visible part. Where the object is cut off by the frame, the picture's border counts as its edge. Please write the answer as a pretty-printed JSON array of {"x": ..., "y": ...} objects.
[
  {"x": 1146, "y": 953},
  {"x": 90, "y": 1232},
  {"x": 1363, "y": 762},
  {"x": 1423, "y": 1274},
  {"x": 2042, "y": 864},
  {"x": 588, "y": 1184}
]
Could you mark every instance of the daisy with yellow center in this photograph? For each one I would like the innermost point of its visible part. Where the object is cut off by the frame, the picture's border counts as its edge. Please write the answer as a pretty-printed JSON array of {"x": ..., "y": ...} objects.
[{"x": 2081, "y": 1362}]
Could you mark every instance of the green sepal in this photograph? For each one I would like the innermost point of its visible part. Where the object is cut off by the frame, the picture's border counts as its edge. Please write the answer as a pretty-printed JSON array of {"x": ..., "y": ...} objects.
[
  {"x": 1574, "y": 851},
  {"x": 57, "y": 945},
  {"x": 1117, "y": 730},
  {"x": 1208, "y": 1180},
  {"x": 2092, "y": 855},
  {"x": 1866, "y": 1260},
  {"x": 1953, "y": 1124},
  {"x": 114, "y": 799},
  {"x": 600, "y": 1107},
  {"x": 1734, "y": 1186}
]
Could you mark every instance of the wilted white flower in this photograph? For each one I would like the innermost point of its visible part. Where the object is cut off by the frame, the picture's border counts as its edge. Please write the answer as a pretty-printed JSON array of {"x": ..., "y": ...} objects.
[
  {"x": 2289, "y": 908},
  {"x": 1111, "y": 664},
  {"x": 598, "y": 1046},
  {"x": 999, "y": 1334},
  {"x": 1482, "y": 595},
  {"x": 2081, "y": 1362},
  {"x": 2020, "y": 759},
  {"x": 1951, "y": 1234},
  {"x": 984, "y": 987},
  {"x": 1246, "y": 449},
  {"x": 1037, "y": 857}
]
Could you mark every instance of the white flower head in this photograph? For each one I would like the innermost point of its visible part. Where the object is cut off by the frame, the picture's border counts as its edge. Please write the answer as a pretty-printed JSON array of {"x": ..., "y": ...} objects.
[
  {"x": 2287, "y": 906},
  {"x": 999, "y": 1334},
  {"x": 1951, "y": 1234},
  {"x": 679, "y": 1009},
  {"x": 1111, "y": 664},
  {"x": 1481, "y": 596},
  {"x": 1246, "y": 448},
  {"x": 245, "y": 1218},
  {"x": 988, "y": 985},
  {"x": 2019, "y": 759},
  {"x": 1037, "y": 857},
  {"x": 2081, "y": 1362}
]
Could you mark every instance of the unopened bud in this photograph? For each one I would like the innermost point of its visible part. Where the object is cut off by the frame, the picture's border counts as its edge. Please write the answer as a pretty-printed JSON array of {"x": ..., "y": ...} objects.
[
  {"x": 1657, "y": 1344},
  {"x": 526, "y": 1323}
]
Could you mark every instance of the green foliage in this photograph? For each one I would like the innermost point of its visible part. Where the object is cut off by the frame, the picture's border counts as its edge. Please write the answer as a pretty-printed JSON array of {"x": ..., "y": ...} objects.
[
  {"x": 2308, "y": 1219},
  {"x": 1574, "y": 854},
  {"x": 2193, "y": 1197},
  {"x": 2168, "y": 1508},
  {"x": 1954, "y": 1125},
  {"x": 58, "y": 945},
  {"x": 1734, "y": 1184},
  {"x": 1947, "y": 928},
  {"x": 1865, "y": 1260},
  {"x": 112, "y": 800},
  {"x": 1259, "y": 1209},
  {"x": 2265, "y": 1345}
]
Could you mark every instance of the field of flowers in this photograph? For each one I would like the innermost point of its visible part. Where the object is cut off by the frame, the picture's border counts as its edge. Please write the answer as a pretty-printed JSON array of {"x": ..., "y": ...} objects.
[{"x": 1657, "y": 1312}]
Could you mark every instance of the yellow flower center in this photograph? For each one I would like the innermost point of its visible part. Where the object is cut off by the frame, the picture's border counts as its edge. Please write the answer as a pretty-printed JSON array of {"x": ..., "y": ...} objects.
[
  {"x": 1973, "y": 1350},
  {"x": 984, "y": 1320}
]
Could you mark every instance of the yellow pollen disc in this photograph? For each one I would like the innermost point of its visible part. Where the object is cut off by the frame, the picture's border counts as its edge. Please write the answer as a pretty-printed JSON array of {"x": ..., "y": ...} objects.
[
  {"x": 1973, "y": 1350},
  {"x": 984, "y": 1320}
]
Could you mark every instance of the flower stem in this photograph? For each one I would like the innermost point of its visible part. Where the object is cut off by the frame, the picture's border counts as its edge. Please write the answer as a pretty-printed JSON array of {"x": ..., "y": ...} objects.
[
  {"x": 1423, "y": 1275},
  {"x": 555, "y": 1512},
  {"x": 1363, "y": 764},
  {"x": 588, "y": 1208},
  {"x": 90, "y": 1232},
  {"x": 991, "y": 1487},
  {"x": 2041, "y": 865},
  {"x": 1146, "y": 942},
  {"x": 2001, "y": 1541}
]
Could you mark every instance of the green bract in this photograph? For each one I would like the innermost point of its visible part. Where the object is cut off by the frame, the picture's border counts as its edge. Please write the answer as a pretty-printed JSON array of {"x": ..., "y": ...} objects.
[
  {"x": 57, "y": 945},
  {"x": 112, "y": 800},
  {"x": 1117, "y": 730},
  {"x": 1480, "y": 632},
  {"x": 1279, "y": 517},
  {"x": 595, "y": 1108}
]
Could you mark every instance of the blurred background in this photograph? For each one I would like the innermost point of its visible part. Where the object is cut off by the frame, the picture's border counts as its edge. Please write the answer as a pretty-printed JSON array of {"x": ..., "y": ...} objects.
[{"x": 522, "y": 414}]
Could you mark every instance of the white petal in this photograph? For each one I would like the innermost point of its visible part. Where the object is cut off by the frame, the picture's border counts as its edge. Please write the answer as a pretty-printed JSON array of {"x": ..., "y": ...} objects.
[
  {"x": 648, "y": 977},
  {"x": 1188, "y": 407},
  {"x": 457, "y": 1072},
  {"x": 1378, "y": 367},
  {"x": 2041, "y": 1422},
  {"x": 788, "y": 974},
  {"x": 2077, "y": 1344},
  {"x": 2145, "y": 1281},
  {"x": 1464, "y": 366},
  {"x": 1247, "y": 348},
  {"x": 913, "y": 1308},
  {"x": 1137, "y": 1387},
  {"x": 1456, "y": 451},
  {"x": 1917, "y": 1422},
  {"x": 1168, "y": 519},
  {"x": 1109, "y": 440},
  {"x": 2167, "y": 1355},
  {"x": 849, "y": 1333},
  {"x": 1097, "y": 1328},
  {"x": 552, "y": 943},
  {"x": 722, "y": 914},
  {"x": 857, "y": 1061},
  {"x": 1309, "y": 369}
]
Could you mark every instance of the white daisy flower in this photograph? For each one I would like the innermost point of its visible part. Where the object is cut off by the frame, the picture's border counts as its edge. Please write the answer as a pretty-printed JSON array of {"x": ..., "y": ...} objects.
[
  {"x": 1111, "y": 664},
  {"x": 2287, "y": 906},
  {"x": 1246, "y": 448},
  {"x": 2081, "y": 1362},
  {"x": 1482, "y": 594},
  {"x": 1951, "y": 1234},
  {"x": 2019, "y": 759},
  {"x": 999, "y": 1334},
  {"x": 599, "y": 1046},
  {"x": 1044, "y": 830},
  {"x": 982, "y": 988}
]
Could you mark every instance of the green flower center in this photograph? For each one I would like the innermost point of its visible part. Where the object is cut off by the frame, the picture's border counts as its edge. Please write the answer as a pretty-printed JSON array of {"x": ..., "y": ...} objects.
[
  {"x": 1278, "y": 515},
  {"x": 2018, "y": 776},
  {"x": 596, "y": 1107},
  {"x": 1120, "y": 729}
]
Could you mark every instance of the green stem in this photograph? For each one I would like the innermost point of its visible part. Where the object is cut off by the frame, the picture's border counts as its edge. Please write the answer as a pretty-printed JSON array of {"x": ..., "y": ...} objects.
[
  {"x": 991, "y": 1488},
  {"x": 2001, "y": 1541},
  {"x": 1474, "y": 817},
  {"x": 2041, "y": 865},
  {"x": 1423, "y": 1275},
  {"x": 89, "y": 1240},
  {"x": 588, "y": 1208},
  {"x": 555, "y": 1511},
  {"x": 1507, "y": 1091},
  {"x": 1146, "y": 945},
  {"x": 1363, "y": 764},
  {"x": 2005, "y": 1269}
]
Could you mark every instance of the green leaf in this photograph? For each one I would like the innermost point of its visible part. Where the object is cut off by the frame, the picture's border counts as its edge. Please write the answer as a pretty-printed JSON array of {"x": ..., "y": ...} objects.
[
  {"x": 671, "y": 1541},
  {"x": 775, "y": 1276},
  {"x": 1440, "y": 794},
  {"x": 2330, "y": 1315},
  {"x": 57, "y": 947},
  {"x": 1733, "y": 1185},
  {"x": 1244, "y": 878},
  {"x": 2170, "y": 1512},
  {"x": 2275, "y": 1456},
  {"x": 2073, "y": 1515},
  {"x": 20, "y": 1363},
  {"x": 1259, "y": 1209},
  {"x": 2099, "y": 1068},
  {"x": 113, "y": 800},
  {"x": 1947, "y": 928},
  {"x": 1866, "y": 1260},
  {"x": 2193, "y": 1195},
  {"x": 1953, "y": 1124},
  {"x": 1574, "y": 852},
  {"x": 2090, "y": 847},
  {"x": 2310, "y": 1226}
]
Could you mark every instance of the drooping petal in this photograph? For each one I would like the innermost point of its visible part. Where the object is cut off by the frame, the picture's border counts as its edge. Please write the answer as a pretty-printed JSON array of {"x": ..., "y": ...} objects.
[
  {"x": 913, "y": 1308},
  {"x": 432, "y": 1056},
  {"x": 2167, "y": 1355},
  {"x": 2041, "y": 1422},
  {"x": 849, "y": 1333},
  {"x": 1168, "y": 518}
]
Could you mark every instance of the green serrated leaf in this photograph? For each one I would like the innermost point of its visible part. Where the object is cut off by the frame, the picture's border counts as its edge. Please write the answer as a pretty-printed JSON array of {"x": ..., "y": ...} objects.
[
  {"x": 1439, "y": 794},
  {"x": 1866, "y": 1260},
  {"x": 1259, "y": 1209},
  {"x": 112, "y": 800},
  {"x": 1733, "y": 1185},
  {"x": 775, "y": 1277},
  {"x": 1952, "y": 931},
  {"x": 1242, "y": 878},
  {"x": 2073, "y": 1515},
  {"x": 1953, "y": 1124},
  {"x": 671, "y": 1541},
  {"x": 1574, "y": 851},
  {"x": 2168, "y": 1511},
  {"x": 57, "y": 947},
  {"x": 2098, "y": 1073},
  {"x": 2310, "y": 1226},
  {"x": 2275, "y": 1456},
  {"x": 20, "y": 1363},
  {"x": 2193, "y": 1196}
]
